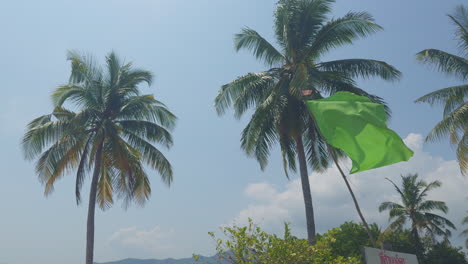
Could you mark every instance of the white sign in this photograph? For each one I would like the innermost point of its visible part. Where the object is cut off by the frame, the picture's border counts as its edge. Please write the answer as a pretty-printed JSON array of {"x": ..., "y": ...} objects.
[{"x": 379, "y": 256}]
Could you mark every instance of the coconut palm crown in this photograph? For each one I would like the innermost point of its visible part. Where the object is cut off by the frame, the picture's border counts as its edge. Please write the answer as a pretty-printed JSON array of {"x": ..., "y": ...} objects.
[
  {"x": 102, "y": 125},
  {"x": 304, "y": 33},
  {"x": 454, "y": 124},
  {"x": 417, "y": 211}
]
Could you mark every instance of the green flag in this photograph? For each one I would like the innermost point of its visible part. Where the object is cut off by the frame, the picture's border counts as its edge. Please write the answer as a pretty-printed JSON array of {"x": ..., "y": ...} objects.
[{"x": 358, "y": 126}]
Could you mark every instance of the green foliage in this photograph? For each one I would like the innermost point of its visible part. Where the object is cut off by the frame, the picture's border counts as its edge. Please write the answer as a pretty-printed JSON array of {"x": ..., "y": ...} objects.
[
  {"x": 250, "y": 245},
  {"x": 443, "y": 253},
  {"x": 417, "y": 210},
  {"x": 349, "y": 238},
  {"x": 454, "y": 124},
  {"x": 465, "y": 232},
  {"x": 112, "y": 128},
  {"x": 304, "y": 34},
  {"x": 400, "y": 241},
  {"x": 324, "y": 253}
]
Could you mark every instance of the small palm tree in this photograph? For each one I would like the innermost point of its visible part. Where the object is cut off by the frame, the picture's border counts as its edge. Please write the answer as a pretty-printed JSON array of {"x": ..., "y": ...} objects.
[
  {"x": 304, "y": 34},
  {"x": 465, "y": 232},
  {"x": 454, "y": 99},
  {"x": 418, "y": 211},
  {"x": 111, "y": 133}
]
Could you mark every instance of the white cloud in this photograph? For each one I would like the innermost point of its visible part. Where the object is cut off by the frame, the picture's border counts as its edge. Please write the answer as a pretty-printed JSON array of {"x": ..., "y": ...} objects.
[
  {"x": 271, "y": 206},
  {"x": 153, "y": 242},
  {"x": 260, "y": 191}
]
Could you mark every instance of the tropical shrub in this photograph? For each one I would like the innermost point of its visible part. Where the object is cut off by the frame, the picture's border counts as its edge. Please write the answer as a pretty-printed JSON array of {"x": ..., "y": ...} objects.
[{"x": 251, "y": 245}]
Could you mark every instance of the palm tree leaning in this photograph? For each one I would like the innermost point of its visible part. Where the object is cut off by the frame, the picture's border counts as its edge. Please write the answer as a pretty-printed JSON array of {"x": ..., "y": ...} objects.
[
  {"x": 111, "y": 133},
  {"x": 414, "y": 208},
  {"x": 304, "y": 34},
  {"x": 454, "y": 123}
]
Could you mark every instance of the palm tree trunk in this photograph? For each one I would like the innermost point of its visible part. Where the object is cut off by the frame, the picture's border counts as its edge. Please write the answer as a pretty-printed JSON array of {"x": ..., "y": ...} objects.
[
  {"x": 418, "y": 243},
  {"x": 358, "y": 209},
  {"x": 309, "y": 208},
  {"x": 92, "y": 206}
]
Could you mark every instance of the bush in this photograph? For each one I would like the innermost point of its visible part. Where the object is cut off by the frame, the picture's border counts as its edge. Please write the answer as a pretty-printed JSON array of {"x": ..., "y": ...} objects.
[
  {"x": 443, "y": 253},
  {"x": 350, "y": 238},
  {"x": 251, "y": 245}
]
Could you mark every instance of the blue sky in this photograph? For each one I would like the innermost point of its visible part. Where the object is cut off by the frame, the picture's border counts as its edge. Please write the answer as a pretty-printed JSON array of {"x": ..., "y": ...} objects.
[{"x": 188, "y": 46}]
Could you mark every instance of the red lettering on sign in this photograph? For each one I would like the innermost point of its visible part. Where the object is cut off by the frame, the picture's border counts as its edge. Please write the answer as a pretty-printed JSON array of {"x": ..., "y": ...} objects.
[{"x": 390, "y": 260}]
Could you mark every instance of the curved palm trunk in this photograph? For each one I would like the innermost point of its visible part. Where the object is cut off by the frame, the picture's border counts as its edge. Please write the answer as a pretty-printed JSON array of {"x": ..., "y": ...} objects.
[
  {"x": 92, "y": 207},
  {"x": 358, "y": 209},
  {"x": 309, "y": 208}
]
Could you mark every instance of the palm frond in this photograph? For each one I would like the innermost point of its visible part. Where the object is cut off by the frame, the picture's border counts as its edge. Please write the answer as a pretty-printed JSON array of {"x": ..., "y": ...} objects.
[
  {"x": 142, "y": 190},
  {"x": 253, "y": 93},
  {"x": 145, "y": 107},
  {"x": 442, "y": 95},
  {"x": 129, "y": 80},
  {"x": 288, "y": 153},
  {"x": 263, "y": 50},
  {"x": 451, "y": 125},
  {"x": 40, "y": 136},
  {"x": 428, "y": 187},
  {"x": 342, "y": 31},
  {"x": 445, "y": 62},
  {"x": 452, "y": 104},
  {"x": 362, "y": 68},
  {"x": 389, "y": 206},
  {"x": 462, "y": 153},
  {"x": 318, "y": 151},
  {"x": 306, "y": 20},
  {"x": 260, "y": 134},
  {"x": 83, "y": 68},
  {"x": 61, "y": 157},
  {"x": 114, "y": 67},
  {"x": 332, "y": 86},
  {"x": 439, "y": 220},
  {"x": 152, "y": 156},
  {"x": 396, "y": 188},
  {"x": 148, "y": 130},
  {"x": 74, "y": 93},
  {"x": 300, "y": 79},
  {"x": 397, "y": 225},
  {"x": 430, "y": 205},
  {"x": 82, "y": 170},
  {"x": 244, "y": 92},
  {"x": 105, "y": 190},
  {"x": 460, "y": 19}
]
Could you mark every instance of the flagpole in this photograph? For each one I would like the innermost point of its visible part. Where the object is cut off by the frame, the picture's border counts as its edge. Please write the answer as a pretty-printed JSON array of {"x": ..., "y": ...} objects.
[{"x": 355, "y": 203}]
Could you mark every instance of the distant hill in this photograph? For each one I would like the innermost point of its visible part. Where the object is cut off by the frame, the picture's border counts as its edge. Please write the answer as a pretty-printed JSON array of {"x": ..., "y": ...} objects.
[{"x": 202, "y": 260}]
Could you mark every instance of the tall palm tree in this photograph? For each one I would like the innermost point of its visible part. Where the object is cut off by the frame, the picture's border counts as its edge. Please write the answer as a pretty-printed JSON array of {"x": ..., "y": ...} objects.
[
  {"x": 454, "y": 123},
  {"x": 110, "y": 131},
  {"x": 417, "y": 210},
  {"x": 304, "y": 34}
]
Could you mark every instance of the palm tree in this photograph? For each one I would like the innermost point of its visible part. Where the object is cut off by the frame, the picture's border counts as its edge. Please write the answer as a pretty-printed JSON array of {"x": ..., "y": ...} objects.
[
  {"x": 454, "y": 123},
  {"x": 111, "y": 133},
  {"x": 304, "y": 34},
  {"x": 465, "y": 232},
  {"x": 417, "y": 210}
]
